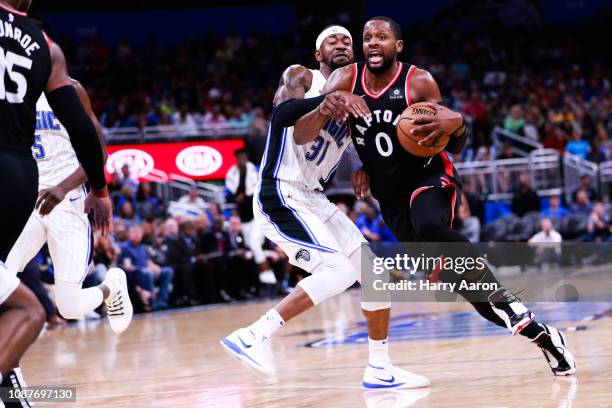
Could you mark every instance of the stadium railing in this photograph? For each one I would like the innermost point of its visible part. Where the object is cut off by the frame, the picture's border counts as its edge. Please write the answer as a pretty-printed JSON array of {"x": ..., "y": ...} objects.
[
  {"x": 521, "y": 145},
  {"x": 171, "y": 132}
]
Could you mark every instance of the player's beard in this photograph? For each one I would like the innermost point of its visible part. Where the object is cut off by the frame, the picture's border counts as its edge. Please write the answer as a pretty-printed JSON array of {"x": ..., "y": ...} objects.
[
  {"x": 334, "y": 65},
  {"x": 386, "y": 64}
]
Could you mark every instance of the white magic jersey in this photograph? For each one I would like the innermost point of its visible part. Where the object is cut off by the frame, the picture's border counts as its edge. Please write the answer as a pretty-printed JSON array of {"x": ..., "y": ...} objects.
[
  {"x": 312, "y": 165},
  {"x": 52, "y": 149}
]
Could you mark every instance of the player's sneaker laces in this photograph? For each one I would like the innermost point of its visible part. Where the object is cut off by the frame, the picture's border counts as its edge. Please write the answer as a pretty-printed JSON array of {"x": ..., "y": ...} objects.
[
  {"x": 119, "y": 308},
  {"x": 251, "y": 349},
  {"x": 392, "y": 377},
  {"x": 509, "y": 308},
  {"x": 552, "y": 343}
]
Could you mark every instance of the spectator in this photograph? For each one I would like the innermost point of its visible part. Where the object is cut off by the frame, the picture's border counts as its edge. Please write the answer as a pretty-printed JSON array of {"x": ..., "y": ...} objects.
[
  {"x": 127, "y": 179},
  {"x": 241, "y": 181},
  {"x": 585, "y": 185},
  {"x": 547, "y": 243},
  {"x": 147, "y": 203},
  {"x": 182, "y": 252},
  {"x": 598, "y": 227},
  {"x": 547, "y": 234},
  {"x": 135, "y": 260},
  {"x": 555, "y": 210},
  {"x": 577, "y": 146},
  {"x": 525, "y": 199},
  {"x": 184, "y": 121},
  {"x": 214, "y": 119},
  {"x": 468, "y": 224},
  {"x": 514, "y": 121},
  {"x": 193, "y": 203},
  {"x": 582, "y": 204}
]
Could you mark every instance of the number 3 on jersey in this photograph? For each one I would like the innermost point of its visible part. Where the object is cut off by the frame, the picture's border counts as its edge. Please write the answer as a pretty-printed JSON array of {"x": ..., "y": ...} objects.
[
  {"x": 8, "y": 61},
  {"x": 318, "y": 149}
]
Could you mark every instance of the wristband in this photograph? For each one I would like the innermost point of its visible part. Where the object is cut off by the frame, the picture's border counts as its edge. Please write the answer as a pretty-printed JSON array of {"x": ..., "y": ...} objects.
[{"x": 100, "y": 193}]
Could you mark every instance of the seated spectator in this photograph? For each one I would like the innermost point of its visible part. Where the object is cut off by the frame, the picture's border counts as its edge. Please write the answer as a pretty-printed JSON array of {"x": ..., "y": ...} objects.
[
  {"x": 525, "y": 199},
  {"x": 182, "y": 246},
  {"x": 193, "y": 203},
  {"x": 514, "y": 121},
  {"x": 530, "y": 129},
  {"x": 127, "y": 178},
  {"x": 582, "y": 204},
  {"x": 547, "y": 243},
  {"x": 128, "y": 216},
  {"x": 468, "y": 224},
  {"x": 507, "y": 152},
  {"x": 184, "y": 121},
  {"x": 585, "y": 185},
  {"x": 577, "y": 146},
  {"x": 214, "y": 119},
  {"x": 555, "y": 210},
  {"x": 147, "y": 203},
  {"x": 372, "y": 225},
  {"x": 214, "y": 246},
  {"x": 598, "y": 227},
  {"x": 104, "y": 256},
  {"x": 145, "y": 273}
]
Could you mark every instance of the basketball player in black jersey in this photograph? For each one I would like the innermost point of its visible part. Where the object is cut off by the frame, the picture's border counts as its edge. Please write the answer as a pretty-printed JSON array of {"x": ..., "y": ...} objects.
[
  {"x": 30, "y": 63},
  {"x": 418, "y": 196}
]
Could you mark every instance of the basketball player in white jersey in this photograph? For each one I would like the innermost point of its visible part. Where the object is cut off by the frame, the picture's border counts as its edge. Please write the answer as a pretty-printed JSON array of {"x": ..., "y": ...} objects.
[
  {"x": 292, "y": 211},
  {"x": 59, "y": 220}
]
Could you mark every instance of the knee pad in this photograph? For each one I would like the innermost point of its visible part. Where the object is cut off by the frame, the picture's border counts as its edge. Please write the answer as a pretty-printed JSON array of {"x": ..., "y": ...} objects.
[
  {"x": 333, "y": 275},
  {"x": 363, "y": 261}
]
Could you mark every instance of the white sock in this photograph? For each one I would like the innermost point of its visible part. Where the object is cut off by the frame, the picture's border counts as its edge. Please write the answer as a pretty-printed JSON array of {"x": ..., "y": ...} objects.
[
  {"x": 379, "y": 352},
  {"x": 268, "y": 323}
]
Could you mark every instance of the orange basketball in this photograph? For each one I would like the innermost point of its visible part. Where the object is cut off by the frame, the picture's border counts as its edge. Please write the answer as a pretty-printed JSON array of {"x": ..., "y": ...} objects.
[{"x": 409, "y": 141}]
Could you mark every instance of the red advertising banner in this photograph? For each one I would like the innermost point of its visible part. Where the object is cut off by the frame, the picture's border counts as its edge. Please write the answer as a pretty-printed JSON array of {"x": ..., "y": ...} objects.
[{"x": 205, "y": 160}]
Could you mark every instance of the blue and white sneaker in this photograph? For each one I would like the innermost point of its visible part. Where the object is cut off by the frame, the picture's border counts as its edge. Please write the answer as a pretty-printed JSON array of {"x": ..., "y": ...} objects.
[
  {"x": 392, "y": 377},
  {"x": 251, "y": 349}
]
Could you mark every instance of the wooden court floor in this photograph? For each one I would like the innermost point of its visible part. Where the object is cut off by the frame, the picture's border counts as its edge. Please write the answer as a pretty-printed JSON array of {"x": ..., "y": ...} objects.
[{"x": 173, "y": 360}]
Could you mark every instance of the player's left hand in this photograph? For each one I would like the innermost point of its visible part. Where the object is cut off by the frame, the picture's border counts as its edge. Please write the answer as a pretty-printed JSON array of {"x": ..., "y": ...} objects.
[
  {"x": 361, "y": 183},
  {"x": 49, "y": 198},
  {"x": 445, "y": 122}
]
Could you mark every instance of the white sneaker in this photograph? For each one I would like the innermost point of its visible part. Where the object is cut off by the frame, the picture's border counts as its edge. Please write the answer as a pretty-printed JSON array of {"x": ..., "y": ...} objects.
[
  {"x": 392, "y": 377},
  {"x": 394, "y": 398},
  {"x": 267, "y": 277},
  {"x": 119, "y": 308},
  {"x": 250, "y": 349}
]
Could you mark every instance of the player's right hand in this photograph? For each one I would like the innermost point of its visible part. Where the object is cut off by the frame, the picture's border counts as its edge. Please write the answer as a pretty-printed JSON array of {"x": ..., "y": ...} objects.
[
  {"x": 355, "y": 105},
  {"x": 103, "y": 211},
  {"x": 361, "y": 183}
]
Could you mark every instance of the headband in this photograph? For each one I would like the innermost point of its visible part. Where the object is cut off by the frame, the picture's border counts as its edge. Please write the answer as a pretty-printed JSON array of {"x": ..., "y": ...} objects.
[{"x": 336, "y": 29}]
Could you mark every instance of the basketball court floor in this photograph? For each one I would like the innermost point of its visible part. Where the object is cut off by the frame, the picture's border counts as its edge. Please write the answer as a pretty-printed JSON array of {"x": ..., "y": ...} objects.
[{"x": 173, "y": 359}]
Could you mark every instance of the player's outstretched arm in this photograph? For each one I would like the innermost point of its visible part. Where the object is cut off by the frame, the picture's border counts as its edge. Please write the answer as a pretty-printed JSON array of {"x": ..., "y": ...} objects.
[
  {"x": 49, "y": 198},
  {"x": 423, "y": 88},
  {"x": 289, "y": 102},
  {"x": 65, "y": 102},
  {"x": 338, "y": 103}
]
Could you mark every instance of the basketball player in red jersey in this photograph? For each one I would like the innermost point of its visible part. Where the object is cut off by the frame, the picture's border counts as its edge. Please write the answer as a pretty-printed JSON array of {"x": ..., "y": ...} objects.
[{"x": 419, "y": 196}]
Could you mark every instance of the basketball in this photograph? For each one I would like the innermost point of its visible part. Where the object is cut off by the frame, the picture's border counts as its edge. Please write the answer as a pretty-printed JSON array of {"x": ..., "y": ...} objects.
[{"x": 410, "y": 142}]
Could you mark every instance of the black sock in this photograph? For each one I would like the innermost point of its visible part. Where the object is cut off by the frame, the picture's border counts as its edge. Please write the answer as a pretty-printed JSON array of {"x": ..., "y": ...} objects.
[{"x": 532, "y": 330}]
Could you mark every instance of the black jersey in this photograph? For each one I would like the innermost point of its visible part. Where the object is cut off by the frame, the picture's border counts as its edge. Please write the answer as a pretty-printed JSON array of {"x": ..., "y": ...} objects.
[
  {"x": 25, "y": 66},
  {"x": 393, "y": 171}
]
